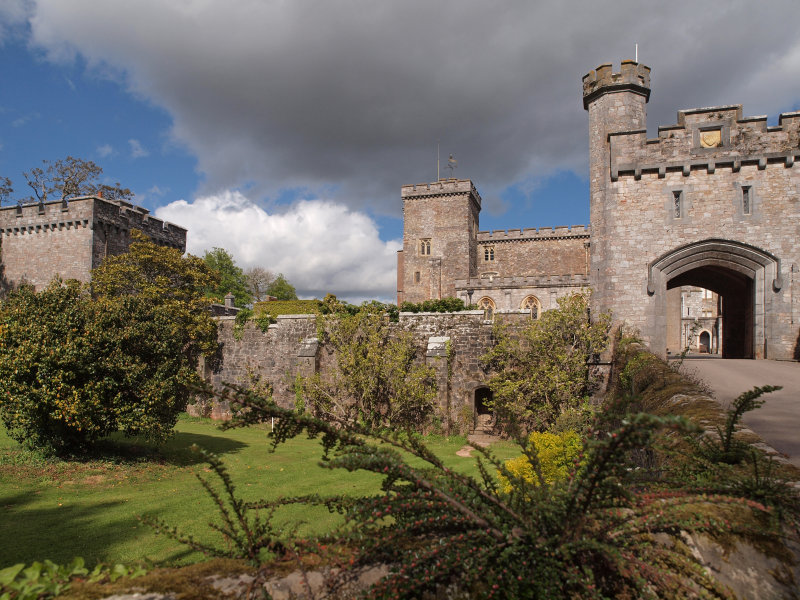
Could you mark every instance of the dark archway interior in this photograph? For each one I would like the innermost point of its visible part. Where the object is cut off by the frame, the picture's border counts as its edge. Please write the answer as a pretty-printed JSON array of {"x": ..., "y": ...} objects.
[
  {"x": 483, "y": 397},
  {"x": 737, "y": 307}
]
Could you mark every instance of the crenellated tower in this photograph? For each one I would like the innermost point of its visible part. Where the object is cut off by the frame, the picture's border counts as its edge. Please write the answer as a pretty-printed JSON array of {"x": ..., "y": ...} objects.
[
  {"x": 616, "y": 103},
  {"x": 440, "y": 227}
]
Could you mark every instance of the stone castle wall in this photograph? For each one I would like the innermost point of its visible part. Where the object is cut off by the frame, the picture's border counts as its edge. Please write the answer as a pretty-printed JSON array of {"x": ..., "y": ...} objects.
[
  {"x": 290, "y": 348},
  {"x": 534, "y": 252},
  {"x": 70, "y": 238},
  {"x": 39, "y": 241},
  {"x": 713, "y": 202}
]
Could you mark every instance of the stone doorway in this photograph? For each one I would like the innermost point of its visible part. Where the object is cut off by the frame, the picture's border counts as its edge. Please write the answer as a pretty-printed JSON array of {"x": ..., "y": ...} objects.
[
  {"x": 483, "y": 412},
  {"x": 735, "y": 308},
  {"x": 744, "y": 277}
]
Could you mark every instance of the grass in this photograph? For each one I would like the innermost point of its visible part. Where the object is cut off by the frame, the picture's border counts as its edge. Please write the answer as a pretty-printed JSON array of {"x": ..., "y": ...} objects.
[{"x": 58, "y": 509}]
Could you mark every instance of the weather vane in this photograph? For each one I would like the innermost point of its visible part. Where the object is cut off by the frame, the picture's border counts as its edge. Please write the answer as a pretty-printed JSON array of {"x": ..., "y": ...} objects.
[{"x": 452, "y": 163}]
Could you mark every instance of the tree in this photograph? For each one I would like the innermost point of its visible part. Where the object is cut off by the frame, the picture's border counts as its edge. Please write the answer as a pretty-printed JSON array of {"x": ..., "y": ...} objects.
[
  {"x": 66, "y": 178},
  {"x": 282, "y": 289},
  {"x": 546, "y": 369},
  {"x": 77, "y": 366},
  {"x": 6, "y": 189},
  {"x": 375, "y": 379},
  {"x": 231, "y": 278},
  {"x": 258, "y": 281}
]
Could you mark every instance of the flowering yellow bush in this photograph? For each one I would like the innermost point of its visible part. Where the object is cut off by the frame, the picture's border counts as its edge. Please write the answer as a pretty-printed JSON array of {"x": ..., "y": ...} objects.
[{"x": 557, "y": 453}]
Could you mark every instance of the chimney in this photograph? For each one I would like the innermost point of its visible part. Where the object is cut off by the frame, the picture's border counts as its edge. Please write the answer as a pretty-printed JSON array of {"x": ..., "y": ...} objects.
[{"x": 228, "y": 300}]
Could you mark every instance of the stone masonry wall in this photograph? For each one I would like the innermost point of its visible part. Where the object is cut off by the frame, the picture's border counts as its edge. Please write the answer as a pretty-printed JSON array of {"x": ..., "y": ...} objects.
[
  {"x": 40, "y": 241},
  {"x": 69, "y": 239},
  {"x": 531, "y": 252},
  {"x": 289, "y": 348},
  {"x": 717, "y": 182}
]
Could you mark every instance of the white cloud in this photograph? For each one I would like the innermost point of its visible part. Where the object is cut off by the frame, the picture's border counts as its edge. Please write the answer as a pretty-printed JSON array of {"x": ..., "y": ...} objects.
[
  {"x": 104, "y": 151},
  {"x": 320, "y": 246},
  {"x": 137, "y": 150}
]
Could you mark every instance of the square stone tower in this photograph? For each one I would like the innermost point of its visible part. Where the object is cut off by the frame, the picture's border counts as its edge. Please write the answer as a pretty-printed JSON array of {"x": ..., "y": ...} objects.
[{"x": 439, "y": 239}]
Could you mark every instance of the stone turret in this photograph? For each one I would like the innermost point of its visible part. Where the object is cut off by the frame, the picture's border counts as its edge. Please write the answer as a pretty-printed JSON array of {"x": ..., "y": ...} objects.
[{"x": 616, "y": 103}]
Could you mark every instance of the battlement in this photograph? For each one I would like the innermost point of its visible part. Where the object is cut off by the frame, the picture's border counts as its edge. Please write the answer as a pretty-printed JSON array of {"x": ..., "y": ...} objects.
[
  {"x": 534, "y": 234},
  {"x": 707, "y": 138},
  {"x": 443, "y": 187},
  {"x": 632, "y": 76}
]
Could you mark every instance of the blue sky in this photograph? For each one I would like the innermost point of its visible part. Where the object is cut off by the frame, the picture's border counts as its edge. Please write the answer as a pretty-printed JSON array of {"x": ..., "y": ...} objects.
[{"x": 283, "y": 131}]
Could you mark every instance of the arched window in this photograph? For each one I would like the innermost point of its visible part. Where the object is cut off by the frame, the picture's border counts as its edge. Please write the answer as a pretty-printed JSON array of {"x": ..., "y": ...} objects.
[
  {"x": 487, "y": 305},
  {"x": 488, "y": 253},
  {"x": 532, "y": 304},
  {"x": 425, "y": 247}
]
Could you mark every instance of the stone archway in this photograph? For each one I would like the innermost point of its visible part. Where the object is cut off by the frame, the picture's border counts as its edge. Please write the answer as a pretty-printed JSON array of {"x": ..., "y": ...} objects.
[{"x": 745, "y": 278}]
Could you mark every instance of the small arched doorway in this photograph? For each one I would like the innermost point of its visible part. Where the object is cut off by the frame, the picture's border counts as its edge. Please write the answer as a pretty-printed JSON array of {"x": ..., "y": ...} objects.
[
  {"x": 483, "y": 411},
  {"x": 704, "y": 343}
]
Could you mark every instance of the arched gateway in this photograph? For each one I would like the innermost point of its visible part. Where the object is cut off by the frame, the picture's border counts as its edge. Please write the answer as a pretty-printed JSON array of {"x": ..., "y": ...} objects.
[{"x": 745, "y": 277}]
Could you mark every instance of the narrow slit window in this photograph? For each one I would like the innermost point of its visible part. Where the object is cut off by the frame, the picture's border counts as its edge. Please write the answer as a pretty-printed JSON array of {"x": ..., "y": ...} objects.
[
  {"x": 677, "y": 204},
  {"x": 746, "y": 200},
  {"x": 416, "y": 277}
]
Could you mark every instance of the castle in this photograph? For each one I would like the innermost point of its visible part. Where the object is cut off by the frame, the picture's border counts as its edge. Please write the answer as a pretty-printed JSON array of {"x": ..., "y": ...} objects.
[
  {"x": 69, "y": 238},
  {"x": 711, "y": 204},
  {"x": 696, "y": 228}
]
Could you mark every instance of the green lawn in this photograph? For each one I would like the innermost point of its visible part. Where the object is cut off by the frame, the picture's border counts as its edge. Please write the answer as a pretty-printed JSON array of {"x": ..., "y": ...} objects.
[{"x": 58, "y": 510}]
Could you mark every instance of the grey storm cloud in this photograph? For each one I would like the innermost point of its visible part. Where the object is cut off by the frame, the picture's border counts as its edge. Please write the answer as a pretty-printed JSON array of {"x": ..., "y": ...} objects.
[{"x": 350, "y": 97}]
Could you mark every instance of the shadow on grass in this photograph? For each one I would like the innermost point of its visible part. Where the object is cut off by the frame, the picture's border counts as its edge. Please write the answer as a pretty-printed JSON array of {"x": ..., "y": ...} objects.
[
  {"x": 176, "y": 451},
  {"x": 61, "y": 532}
]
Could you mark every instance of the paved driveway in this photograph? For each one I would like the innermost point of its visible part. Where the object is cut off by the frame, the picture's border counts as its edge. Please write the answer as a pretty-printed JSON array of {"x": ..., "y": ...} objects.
[{"x": 778, "y": 421}]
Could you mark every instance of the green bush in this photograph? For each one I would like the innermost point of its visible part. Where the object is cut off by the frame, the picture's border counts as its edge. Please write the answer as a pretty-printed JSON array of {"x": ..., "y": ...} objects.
[
  {"x": 441, "y": 305},
  {"x": 557, "y": 455},
  {"x": 46, "y": 579},
  {"x": 77, "y": 367}
]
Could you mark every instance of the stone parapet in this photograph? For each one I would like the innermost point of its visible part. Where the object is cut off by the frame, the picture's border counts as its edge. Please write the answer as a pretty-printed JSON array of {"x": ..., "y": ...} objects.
[
  {"x": 443, "y": 187},
  {"x": 735, "y": 140},
  {"x": 632, "y": 76},
  {"x": 534, "y": 234}
]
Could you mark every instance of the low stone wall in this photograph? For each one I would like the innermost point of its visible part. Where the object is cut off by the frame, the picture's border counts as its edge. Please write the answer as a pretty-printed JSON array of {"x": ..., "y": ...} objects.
[{"x": 453, "y": 343}]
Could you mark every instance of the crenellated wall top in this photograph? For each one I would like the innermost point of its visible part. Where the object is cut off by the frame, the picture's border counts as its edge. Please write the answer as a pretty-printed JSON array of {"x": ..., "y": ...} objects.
[
  {"x": 534, "y": 234},
  {"x": 706, "y": 138},
  {"x": 443, "y": 187},
  {"x": 632, "y": 76}
]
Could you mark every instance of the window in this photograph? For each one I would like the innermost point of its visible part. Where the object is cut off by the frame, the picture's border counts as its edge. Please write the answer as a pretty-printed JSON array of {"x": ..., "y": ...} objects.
[
  {"x": 425, "y": 247},
  {"x": 677, "y": 204},
  {"x": 416, "y": 277},
  {"x": 532, "y": 304},
  {"x": 488, "y": 253},
  {"x": 487, "y": 305},
  {"x": 746, "y": 200}
]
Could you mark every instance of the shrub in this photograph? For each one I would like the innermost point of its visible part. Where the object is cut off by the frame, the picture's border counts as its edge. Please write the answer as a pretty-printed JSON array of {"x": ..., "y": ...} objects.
[
  {"x": 441, "y": 305},
  {"x": 375, "y": 377},
  {"x": 547, "y": 368},
  {"x": 556, "y": 456},
  {"x": 76, "y": 368}
]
